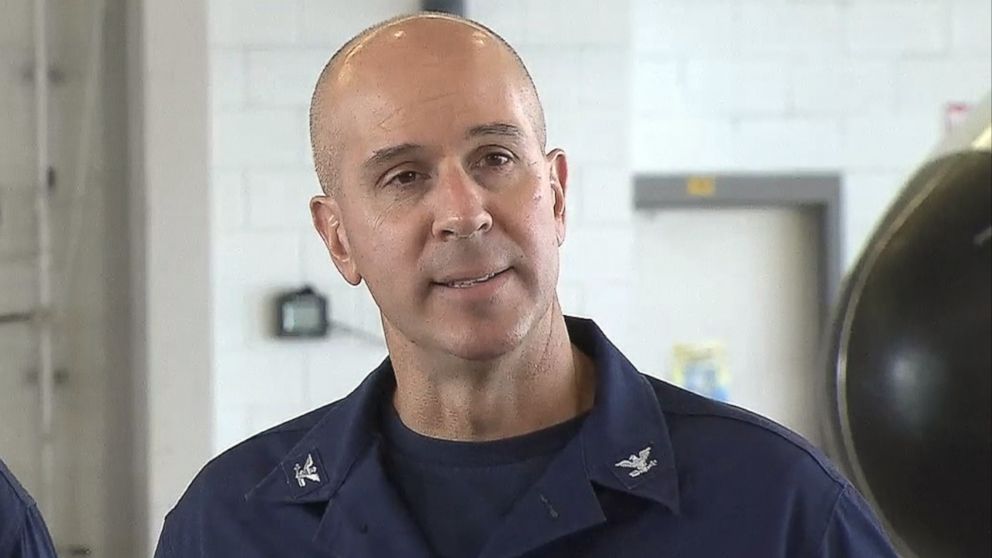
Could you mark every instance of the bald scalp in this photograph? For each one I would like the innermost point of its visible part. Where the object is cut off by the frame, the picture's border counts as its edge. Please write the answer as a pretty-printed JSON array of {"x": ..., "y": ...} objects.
[{"x": 325, "y": 134}]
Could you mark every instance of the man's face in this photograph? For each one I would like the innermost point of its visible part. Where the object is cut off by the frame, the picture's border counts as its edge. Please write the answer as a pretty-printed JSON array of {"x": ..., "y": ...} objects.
[{"x": 447, "y": 206}]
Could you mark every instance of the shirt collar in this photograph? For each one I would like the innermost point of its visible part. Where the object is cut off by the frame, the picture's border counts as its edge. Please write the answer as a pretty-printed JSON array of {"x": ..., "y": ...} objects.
[
  {"x": 625, "y": 438},
  {"x": 337, "y": 441},
  {"x": 625, "y": 443}
]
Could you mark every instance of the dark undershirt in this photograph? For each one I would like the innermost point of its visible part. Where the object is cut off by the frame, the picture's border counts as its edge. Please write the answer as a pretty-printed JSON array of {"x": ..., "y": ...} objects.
[{"x": 459, "y": 492}]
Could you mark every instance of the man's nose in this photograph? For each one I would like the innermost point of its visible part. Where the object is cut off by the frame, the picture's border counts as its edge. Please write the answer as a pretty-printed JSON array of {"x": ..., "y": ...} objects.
[{"x": 461, "y": 212}]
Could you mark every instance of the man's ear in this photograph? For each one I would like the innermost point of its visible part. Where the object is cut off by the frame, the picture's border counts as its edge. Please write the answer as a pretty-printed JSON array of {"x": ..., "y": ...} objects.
[
  {"x": 327, "y": 220},
  {"x": 559, "y": 185}
]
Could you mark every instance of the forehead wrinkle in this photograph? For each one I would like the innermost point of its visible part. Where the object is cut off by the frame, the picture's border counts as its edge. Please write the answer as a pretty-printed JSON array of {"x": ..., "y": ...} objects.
[
  {"x": 384, "y": 154},
  {"x": 496, "y": 129}
]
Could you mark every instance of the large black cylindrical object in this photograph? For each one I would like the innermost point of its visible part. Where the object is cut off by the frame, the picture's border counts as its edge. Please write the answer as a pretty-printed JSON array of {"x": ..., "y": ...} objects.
[{"x": 909, "y": 362}]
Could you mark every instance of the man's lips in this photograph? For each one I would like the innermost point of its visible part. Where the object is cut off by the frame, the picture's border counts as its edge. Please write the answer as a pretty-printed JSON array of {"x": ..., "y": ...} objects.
[{"x": 465, "y": 280}]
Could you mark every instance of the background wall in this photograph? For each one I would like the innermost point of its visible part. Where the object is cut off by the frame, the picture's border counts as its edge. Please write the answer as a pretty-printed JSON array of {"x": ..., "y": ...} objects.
[{"x": 856, "y": 86}]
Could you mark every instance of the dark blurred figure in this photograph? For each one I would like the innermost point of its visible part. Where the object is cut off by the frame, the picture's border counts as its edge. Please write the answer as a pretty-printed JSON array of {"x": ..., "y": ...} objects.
[{"x": 22, "y": 530}]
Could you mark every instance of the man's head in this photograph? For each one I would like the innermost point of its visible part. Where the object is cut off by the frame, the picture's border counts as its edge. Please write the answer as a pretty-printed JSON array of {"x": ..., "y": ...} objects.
[{"x": 428, "y": 138}]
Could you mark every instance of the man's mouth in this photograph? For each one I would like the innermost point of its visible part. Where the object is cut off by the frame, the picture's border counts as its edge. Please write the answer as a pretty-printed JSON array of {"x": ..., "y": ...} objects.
[{"x": 470, "y": 282}]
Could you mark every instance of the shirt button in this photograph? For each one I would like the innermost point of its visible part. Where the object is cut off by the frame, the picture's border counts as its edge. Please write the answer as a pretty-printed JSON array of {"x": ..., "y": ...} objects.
[{"x": 552, "y": 512}]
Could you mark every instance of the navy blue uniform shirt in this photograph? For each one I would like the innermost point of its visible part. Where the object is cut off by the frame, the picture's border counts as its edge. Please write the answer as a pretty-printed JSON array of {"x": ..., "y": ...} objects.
[
  {"x": 22, "y": 531},
  {"x": 482, "y": 480},
  {"x": 654, "y": 471}
]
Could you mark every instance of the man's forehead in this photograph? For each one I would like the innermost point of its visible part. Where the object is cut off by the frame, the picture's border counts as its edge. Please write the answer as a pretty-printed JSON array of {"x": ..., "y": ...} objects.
[
  {"x": 411, "y": 69},
  {"x": 432, "y": 121},
  {"x": 436, "y": 38},
  {"x": 402, "y": 70}
]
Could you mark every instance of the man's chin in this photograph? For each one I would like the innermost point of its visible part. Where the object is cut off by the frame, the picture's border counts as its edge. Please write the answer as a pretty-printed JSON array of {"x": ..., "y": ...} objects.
[
  {"x": 483, "y": 342},
  {"x": 482, "y": 348}
]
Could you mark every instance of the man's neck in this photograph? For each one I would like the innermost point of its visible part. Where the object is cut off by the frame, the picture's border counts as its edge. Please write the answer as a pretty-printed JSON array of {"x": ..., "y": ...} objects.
[{"x": 545, "y": 381}]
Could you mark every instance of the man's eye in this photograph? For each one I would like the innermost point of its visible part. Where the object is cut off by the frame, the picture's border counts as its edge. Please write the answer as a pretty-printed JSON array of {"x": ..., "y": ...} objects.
[
  {"x": 496, "y": 159},
  {"x": 404, "y": 178}
]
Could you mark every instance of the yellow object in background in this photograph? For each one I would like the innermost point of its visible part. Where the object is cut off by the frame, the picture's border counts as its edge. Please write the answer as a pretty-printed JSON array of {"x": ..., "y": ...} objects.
[
  {"x": 702, "y": 368},
  {"x": 701, "y": 186}
]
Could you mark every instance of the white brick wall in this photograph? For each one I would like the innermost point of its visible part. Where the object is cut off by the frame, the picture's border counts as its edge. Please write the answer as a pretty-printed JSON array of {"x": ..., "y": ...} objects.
[
  {"x": 870, "y": 193},
  {"x": 896, "y": 27},
  {"x": 785, "y": 144},
  {"x": 925, "y": 83},
  {"x": 787, "y": 27},
  {"x": 228, "y": 199},
  {"x": 331, "y": 22},
  {"x": 735, "y": 87},
  {"x": 279, "y": 199},
  {"x": 895, "y": 142},
  {"x": 679, "y": 142},
  {"x": 260, "y": 138},
  {"x": 282, "y": 77},
  {"x": 856, "y": 87},
  {"x": 824, "y": 87},
  {"x": 667, "y": 27},
  {"x": 240, "y": 23},
  {"x": 228, "y": 78},
  {"x": 970, "y": 27}
]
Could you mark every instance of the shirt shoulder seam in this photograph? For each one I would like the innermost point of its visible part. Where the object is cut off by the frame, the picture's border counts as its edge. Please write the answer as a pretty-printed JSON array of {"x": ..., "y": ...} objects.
[
  {"x": 839, "y": 482},
  {"x": 22, "y": 496},
  {"x": 18, "y": 529},
  {"x": 830, "y": 519}
]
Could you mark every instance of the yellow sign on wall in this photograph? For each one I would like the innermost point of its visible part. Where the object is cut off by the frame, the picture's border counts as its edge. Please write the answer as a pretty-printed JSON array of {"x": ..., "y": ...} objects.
[{"x": 701, "y": 186}]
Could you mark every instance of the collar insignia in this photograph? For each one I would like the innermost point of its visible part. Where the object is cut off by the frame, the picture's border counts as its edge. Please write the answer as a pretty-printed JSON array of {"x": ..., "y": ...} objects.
[
  {"x": 304, "y": 472},
  {"x": 639, "y": 464}
]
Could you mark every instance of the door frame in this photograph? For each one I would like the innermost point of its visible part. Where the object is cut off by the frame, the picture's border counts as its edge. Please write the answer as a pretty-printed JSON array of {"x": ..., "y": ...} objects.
[{"x": 820, "y": 192}]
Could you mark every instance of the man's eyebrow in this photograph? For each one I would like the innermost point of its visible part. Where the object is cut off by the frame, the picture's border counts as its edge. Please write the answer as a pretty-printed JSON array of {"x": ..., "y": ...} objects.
[
  {"x": 387, "y": 153},
  {"x": 495, "y": 129}
]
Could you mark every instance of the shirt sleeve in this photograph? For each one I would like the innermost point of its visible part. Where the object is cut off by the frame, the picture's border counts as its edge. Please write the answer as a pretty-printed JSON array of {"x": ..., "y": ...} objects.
[
  {"x": 853, "y": 530},
  {"x": 30, "y": 540},
  {"x": 164, "y": 547},
  {"x": 181, "y": 530}
]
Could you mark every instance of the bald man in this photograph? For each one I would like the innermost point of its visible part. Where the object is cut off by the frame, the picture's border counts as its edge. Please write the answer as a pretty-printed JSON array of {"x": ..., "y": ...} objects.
[{"x": 496, "y": 427}]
